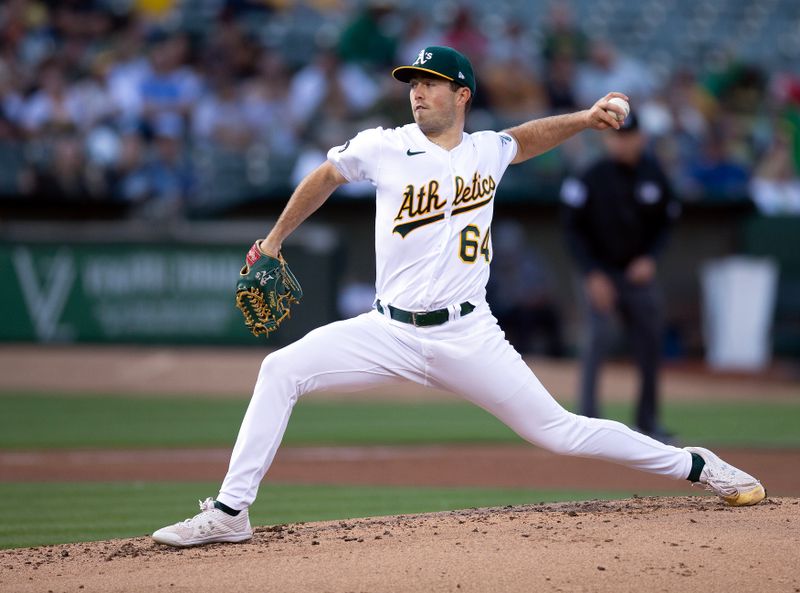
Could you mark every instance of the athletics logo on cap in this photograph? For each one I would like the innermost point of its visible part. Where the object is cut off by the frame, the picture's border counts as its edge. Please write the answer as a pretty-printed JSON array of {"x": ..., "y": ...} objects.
[
  {"x": 444, "y": 62},
  {"x": 422, "y": 57}
]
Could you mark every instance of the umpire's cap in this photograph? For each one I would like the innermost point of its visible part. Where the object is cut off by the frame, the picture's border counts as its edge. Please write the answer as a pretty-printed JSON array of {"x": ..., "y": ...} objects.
[
  {"x": 631, "y": 123},
  {"x": 444, "y": 62}
]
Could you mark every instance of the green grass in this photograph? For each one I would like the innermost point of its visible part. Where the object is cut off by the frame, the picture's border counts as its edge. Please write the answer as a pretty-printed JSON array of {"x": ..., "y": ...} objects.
[
  {"x": 42, "y": 421},
  {"x": 73, "y": 512},
  {"x": 69, "y": 512}
]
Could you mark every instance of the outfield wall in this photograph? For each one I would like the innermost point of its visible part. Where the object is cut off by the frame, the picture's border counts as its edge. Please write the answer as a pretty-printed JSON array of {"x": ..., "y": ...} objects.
[
  {"x": 136, "y": 283},
  {"x": 141, "y": 289}
]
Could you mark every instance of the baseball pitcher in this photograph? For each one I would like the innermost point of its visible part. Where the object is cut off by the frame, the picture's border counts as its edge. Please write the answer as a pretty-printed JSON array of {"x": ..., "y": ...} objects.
[{"x": 435, "y": 187}]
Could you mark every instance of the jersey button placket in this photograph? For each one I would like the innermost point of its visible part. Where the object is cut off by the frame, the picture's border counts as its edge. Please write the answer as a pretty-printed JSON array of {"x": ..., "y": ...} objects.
[
  {"x": 445, "y": 232},
  {"x": 448, "y": 222}
]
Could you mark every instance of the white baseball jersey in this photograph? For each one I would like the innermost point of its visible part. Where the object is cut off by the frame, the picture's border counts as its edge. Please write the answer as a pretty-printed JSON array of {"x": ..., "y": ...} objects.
[
  {"x": 433, "y": 247},
  {"x": 433, "y": 211}
]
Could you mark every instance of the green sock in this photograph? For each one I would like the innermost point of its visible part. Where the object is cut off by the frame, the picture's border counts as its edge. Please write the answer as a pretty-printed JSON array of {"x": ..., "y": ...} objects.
[
  {"x": 697, "y": 466},
  {"x": 225, "y": 508}
]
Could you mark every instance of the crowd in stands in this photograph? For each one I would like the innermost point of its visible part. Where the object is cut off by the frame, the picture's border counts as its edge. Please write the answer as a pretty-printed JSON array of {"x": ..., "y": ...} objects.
[{"x": 131, "y": 101}]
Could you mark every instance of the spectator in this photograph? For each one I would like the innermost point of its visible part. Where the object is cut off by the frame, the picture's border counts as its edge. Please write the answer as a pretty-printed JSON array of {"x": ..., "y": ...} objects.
[
  {"x": 156, "y": 181},
  {"x": 716, "y": 174},
  {"x": 606, "y": 70},
  {"x": 785, "y": 94},
  {"x": 564, "y": 46},
  {"x": 775, "y": 187},
  {"x": 366, "y": 40},
  {"x": 64, "y": 174},
  {"x": 516, "y": 44},
  {"x": 11, "y": 99},
  {"x": 417, "y": 33},
  {"x": 617, "y": 216},
  {"x": 230, "y": 48},
  {"x": 129, "y": 179},
  {"x": 80, "y": 30},
  {"x": 328, "y": 89},
  {"x": 220, "y": 118},
  {"x": 266, "y": 104},
  {"x": 26, "y": 37},
  {"x": 512, "y": 92},
  {"x": 171, "y": 86},
  {"x": 563, "y": 38},
  {"x": 168, "y": 173},
  {"x": 91, "y": 92},
  {"x": 559, "y": 84},
  {"x": 125, "y": 74},
  {"x": 15, "y": 175},
  {"x": 738, "y": 87},
  {"x": 51, "y": 108},
  {"x": 512, "y": 81},
  {"x": 675, "y": 119},
  {"x": 462, "y": 34}
]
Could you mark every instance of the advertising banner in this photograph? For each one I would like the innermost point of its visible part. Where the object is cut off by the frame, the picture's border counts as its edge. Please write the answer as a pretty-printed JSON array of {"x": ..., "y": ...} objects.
[{"x": 142, "y": 293}]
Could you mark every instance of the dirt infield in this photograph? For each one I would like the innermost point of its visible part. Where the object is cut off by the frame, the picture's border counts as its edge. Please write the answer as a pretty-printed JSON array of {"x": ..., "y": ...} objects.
[
  {"x": 643, "y": 544},
  {"x": 509, "y": 466},
  {"x": 231, "y": 372}
]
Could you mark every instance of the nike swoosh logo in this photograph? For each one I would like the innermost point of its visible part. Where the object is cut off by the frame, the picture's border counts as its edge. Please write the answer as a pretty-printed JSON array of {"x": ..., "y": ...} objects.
[
  {"x": 409, "y": 152},
  {"x": 346, "y": 144}
]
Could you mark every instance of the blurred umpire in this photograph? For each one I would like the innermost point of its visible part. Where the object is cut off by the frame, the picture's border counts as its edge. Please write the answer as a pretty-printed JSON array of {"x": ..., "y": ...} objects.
[{"x": 617, "y": 216}]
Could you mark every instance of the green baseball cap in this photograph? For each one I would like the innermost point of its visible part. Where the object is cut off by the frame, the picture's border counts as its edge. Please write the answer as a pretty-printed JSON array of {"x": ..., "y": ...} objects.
[{"x": 441, "y": 61}]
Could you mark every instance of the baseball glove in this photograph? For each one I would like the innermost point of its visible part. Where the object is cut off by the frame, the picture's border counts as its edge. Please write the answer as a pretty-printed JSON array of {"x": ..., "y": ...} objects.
[{"x": 266, "y": 290}]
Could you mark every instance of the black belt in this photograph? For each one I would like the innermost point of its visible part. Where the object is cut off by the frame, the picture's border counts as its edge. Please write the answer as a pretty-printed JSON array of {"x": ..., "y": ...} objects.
[{"x": 424, "y": 318}]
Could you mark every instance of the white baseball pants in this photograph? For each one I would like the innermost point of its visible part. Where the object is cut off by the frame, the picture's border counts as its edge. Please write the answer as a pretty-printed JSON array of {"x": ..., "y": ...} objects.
[{"x": 468, "y": 356}]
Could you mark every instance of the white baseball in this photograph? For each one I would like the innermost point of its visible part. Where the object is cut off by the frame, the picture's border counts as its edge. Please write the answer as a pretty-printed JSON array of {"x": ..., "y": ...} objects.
[{"x": 619, "y": 103}]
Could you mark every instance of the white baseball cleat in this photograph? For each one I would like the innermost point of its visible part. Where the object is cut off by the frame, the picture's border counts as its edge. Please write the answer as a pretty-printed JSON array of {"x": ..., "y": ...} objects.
[
  {"x": 210, "y": 525},
  {"x": 732, "y": 485}
]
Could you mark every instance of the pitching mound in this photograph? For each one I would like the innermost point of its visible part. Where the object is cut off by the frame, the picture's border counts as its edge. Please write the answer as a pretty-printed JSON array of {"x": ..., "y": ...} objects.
[{"x": 640, "y": 544}]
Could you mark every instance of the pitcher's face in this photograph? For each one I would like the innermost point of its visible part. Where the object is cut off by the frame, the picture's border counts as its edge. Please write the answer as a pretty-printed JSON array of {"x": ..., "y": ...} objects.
[{"x": 434, "y": 103}]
